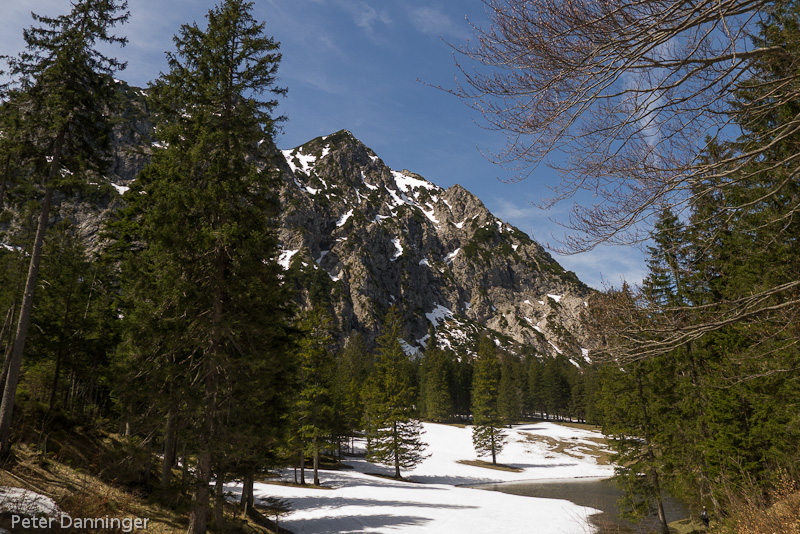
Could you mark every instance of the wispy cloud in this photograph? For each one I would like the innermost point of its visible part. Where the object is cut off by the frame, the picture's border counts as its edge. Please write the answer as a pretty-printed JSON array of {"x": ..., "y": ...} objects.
[
  {"x": 606, "y": 266},
  {"x": 365, "y": 16},
  {"x": 434, "y": 21},
  {"x": 599, "y": 267}
]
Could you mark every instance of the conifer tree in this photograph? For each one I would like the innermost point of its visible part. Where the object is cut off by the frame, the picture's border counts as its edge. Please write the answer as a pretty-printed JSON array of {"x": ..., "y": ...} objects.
[
  {"x": 353, "y": 366},
  {"x": 314, "y": 401},
  {"x": 509, "y": 390},
  {"x": 396, "y": 433},
  {"x": 487, "y": 432},
  {"x": 436, "y": 383},
  {"x": 204, "y": 212},
  {"x": 64, "y": 85}
]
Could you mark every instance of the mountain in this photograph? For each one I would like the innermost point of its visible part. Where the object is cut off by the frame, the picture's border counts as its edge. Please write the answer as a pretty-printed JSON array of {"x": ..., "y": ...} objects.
[
  {"x": 358, "y": 237},
  {"x": 367, "y": 237}
]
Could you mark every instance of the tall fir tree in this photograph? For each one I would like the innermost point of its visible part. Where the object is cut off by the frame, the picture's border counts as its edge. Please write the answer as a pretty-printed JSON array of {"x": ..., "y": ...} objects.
[
  {"x": 436, "y": 382},
  {"x": 510, "y": 390},
  {"x": 487, "y": 430},
  {"x": 353, "y": 366},
  {"x": 64, "y": 87},
  {"x": 314, "y": 408},
  {"x": 204, "y": 211},
  {"x": 395, "y": 431}
]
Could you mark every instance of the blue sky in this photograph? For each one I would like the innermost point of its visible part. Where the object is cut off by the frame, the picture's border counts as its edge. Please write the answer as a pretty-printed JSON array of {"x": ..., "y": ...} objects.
[{"x": 368, "y": 67}]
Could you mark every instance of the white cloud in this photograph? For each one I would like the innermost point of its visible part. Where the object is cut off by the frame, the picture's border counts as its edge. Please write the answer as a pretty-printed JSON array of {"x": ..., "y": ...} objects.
[
  {"x": 603, "y": 265},
  {"x": 364, "y": 15},
  {"x": 433, "y": 21}
]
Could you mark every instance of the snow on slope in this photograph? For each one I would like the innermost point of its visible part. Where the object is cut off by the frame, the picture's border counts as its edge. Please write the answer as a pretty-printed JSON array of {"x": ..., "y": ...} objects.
[{"x": 431, "y": 502}]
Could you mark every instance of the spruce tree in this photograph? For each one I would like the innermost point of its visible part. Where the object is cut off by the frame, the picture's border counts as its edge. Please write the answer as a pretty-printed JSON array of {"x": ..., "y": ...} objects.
[
  {"x": 436, "y": 383},
  {"x": 314, "y": 400},
  {"x": 64, "y": 85},
  {"x": 200, "y": 229},
  {"x": 509, "y": 390},
  {"x": 487, "y": 432},
  {"x": 395, "y": 431},
  {"x": 353, "y": 366}
]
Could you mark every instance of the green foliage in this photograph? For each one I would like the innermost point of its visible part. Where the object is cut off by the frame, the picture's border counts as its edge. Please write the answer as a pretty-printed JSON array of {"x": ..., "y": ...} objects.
[
  {"x": 487, "y": 433},
  {"x": 314, "y": 402},
  {"x": 437, "y": 382},
  {"x": 353, "y": 367},
  {"x": 57, "y": 102},
  {"x": 510, "y": 391},
  {"x": 394, "y": 432},
  {"x": 206, "y": 313}
]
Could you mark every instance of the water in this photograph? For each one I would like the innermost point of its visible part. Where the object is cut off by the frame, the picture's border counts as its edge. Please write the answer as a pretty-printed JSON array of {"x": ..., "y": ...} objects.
[{"x": 595, "y": 493}]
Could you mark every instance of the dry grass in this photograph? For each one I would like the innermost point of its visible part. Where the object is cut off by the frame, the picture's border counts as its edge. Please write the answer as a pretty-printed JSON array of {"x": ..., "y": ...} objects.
[
  {"x": 489, "y": 465},
  {"x": 579, "y": 426},
  {"x": 79, "y": 493},
  {"x": 275, "y": 482},
  {"x": 778, "y": 514},
  {"x": 599, "y": 451},
  {"x": 685, "y": 526}
]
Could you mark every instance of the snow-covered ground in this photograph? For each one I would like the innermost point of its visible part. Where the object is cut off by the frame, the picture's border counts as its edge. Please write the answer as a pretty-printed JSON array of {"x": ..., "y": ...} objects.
[
  {"x": 430, "y": 501},
  {"x": 26, "y": 502}
]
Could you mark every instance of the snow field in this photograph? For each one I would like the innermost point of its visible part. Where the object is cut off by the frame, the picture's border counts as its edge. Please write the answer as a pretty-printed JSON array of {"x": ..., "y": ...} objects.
[{"x": 431, "y": 501}]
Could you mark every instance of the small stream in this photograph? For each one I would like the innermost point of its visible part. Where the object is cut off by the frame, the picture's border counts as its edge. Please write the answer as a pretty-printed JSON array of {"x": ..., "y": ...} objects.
[{"x": 600, "y": 494}]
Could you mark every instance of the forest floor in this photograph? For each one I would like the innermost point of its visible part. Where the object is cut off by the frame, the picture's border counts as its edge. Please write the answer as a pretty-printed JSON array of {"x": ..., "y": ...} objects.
[{"x": 85, "y": 476}]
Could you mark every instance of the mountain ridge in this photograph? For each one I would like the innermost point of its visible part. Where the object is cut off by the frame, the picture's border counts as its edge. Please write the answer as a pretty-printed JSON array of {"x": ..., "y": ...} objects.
[{"x": 387, "y": 236}]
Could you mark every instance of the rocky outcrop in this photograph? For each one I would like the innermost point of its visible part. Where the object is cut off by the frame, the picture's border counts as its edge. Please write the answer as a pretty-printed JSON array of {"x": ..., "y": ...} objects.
[{"x": 372, "y": 237}]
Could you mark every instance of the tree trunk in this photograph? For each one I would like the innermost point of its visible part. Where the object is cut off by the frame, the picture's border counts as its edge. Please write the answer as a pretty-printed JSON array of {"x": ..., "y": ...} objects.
[
  {"x": 302, "y": 467},
  {"x": 15, "y": 363},
  {"x": 198, "y": 519},
  {"x": 396, "y": 445},
  {"x": 7, "y": 348},
  {"x": 184, "y": 466},
  {"x": 246, "y": 501},
  {"x": 4, "y": 181},
  {"x": 662, "y": 518},
  {"x": 494, "y": 449},
  {"x": 219, "y": 502},
  {"x": 61, "y": 344},
  {"x": 169, "y": 447},
  {"x": 316, "y": 463}
]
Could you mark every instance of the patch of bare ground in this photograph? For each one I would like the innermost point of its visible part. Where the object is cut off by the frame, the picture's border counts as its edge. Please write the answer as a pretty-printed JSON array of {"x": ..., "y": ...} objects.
[
  {"x": 290, "y": 484},
  {"x": 489, "y": 465},
  {"x": 575, "y": 448}
]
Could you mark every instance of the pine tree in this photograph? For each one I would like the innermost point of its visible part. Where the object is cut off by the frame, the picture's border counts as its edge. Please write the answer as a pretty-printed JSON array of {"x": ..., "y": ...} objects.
[
  {"x": 534, "y": 395},
  {"x": 353, "y": 366},
  {"x": 204, "y": 211},
  {"x": 509, "y": 390},
  {"x": 487, "y": 432},
  {"x": 314, "y": 401},
  {"x": 395, "y": 431},
  {"x": 436, "y": 383},
  {"x": 65, "y": 88}
]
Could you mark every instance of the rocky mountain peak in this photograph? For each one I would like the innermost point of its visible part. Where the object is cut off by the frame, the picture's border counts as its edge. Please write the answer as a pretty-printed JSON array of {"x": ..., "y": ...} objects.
[{"x": 373, "y": 237}]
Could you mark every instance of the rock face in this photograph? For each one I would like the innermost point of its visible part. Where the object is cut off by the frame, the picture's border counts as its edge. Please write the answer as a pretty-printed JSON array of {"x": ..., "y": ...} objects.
[{"x": 368, "y": 237}]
